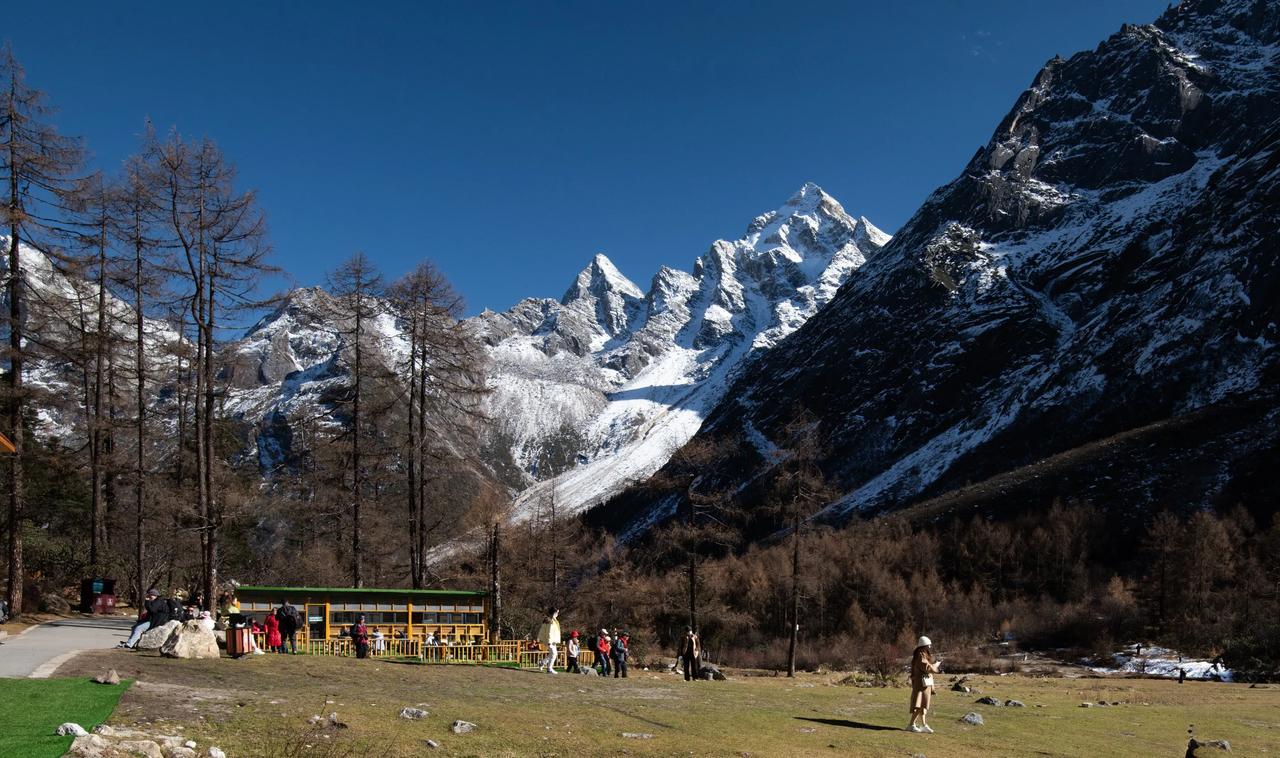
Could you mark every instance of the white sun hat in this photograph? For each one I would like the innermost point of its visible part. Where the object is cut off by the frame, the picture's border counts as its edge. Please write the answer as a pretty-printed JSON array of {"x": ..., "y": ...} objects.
[{"x": 924, "y": 642}]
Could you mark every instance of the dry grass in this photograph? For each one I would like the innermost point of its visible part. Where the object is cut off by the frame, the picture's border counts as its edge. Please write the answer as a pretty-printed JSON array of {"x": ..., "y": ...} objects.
[{"x": 261, "y": 706}]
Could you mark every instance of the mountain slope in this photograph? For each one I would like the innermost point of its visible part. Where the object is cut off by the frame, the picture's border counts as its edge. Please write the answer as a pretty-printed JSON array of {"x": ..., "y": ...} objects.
[
  {"x": 1106, "y": 261},
  {"x": 598, "y": 389}
]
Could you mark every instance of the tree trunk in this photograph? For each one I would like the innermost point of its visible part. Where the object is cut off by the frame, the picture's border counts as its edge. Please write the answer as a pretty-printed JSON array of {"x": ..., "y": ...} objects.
[
  {"x": 495, "y": 581},
  {"x": 16, "y": 504},
  {"x": 357, "y": 579},
  {"x": 795, "y": 594},
  {"x": 415, "y": 574},
  {"x": 98, "y": 518},
  {"x": 140, "y": 409}
]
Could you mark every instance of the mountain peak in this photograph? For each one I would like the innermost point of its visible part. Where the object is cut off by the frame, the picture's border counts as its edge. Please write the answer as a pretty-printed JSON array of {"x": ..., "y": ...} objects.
[{"x": 599, "y": 278}]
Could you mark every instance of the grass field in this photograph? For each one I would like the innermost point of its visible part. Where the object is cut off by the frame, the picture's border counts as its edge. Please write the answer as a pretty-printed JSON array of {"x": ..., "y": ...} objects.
[
  {"x": 260, "y": 706},
  {"x": 30, "y": 709}
]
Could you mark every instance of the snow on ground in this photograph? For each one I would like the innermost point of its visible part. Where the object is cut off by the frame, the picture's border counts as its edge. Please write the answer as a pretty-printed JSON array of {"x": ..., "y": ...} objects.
[{"x": 1163, "y": 662}]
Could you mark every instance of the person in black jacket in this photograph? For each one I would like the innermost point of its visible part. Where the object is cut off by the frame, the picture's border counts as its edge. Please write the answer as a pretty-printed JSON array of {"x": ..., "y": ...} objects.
[
  {"x": 620, "y": 651},
  {"x": 290, "y": 620},
  {"x": 159, "y": 609}
]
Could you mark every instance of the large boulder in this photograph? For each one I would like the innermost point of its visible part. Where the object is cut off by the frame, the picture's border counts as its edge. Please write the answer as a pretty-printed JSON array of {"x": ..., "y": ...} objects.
[
  {"x": 712, "y": 673},
  {"x": 52, "y": 602},
  {"x": 154, "y": 639},
  {"x": 190, "y": 640}
]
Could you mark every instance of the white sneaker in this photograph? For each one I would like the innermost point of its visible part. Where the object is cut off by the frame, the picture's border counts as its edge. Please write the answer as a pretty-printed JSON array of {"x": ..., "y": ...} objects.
[
  {"x": 914, "y": 728},
  {"x": 552, "y": 671},
  {"x": 927, "y": 729}
]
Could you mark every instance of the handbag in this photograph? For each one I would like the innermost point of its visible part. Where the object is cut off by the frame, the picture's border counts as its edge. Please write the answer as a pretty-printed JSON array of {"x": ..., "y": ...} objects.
[{"x": 927, "y": 681}]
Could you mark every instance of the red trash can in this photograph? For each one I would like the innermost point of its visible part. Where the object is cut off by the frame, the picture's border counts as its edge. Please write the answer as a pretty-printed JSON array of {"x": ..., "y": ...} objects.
[{"x": 239, "y": 641}]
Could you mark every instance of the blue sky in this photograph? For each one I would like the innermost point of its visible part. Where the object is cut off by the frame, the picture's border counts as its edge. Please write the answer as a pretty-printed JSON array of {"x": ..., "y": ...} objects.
[{"x": 511, "y": 142}]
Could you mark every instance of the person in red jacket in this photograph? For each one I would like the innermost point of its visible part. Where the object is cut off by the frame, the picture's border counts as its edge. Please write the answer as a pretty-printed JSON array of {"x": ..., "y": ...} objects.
[
  {"x": 272, "y": 627},
  {"x": 602, "y": 652}
]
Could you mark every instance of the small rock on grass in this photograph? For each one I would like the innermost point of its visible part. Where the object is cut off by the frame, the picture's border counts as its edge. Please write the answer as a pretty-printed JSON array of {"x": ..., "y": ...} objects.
[
  {"x": 413, "y": 713},
  {"x": 1086, "y": 704},
  {"x": 70, "y": 728},
  {"x": 1195, "y": 746},
  {"x": 111, "y": 677},
  {"x": 462, "y": 727},
  {"x": 433, "y": 744},
  {"x": 215, "y": 752},
  {"x": 637, "y": 735},
  {"x": 988, "y": 700},
  {"x": 1015, "y": 704},
  {"x": 145, "y": 748},
  {"x": 973, "y": 719}
]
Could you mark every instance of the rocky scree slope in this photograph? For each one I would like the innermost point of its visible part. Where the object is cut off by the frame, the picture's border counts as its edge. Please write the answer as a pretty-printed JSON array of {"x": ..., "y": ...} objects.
[{"x": 1107, "y": 261}]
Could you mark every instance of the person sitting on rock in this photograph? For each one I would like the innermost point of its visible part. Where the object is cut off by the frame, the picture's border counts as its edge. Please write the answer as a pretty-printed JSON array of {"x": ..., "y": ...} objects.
[{"x": 144, "y": 620}]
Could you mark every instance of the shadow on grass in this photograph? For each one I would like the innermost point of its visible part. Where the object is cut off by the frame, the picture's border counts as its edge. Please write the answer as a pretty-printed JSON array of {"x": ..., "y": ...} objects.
[{"x": 851, "y": 724}]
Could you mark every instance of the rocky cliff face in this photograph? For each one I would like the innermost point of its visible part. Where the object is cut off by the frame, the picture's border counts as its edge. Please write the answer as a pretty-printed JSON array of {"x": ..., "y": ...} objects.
[
  {"x": 598, "y": 389},
  {"x": 1106, "y": 261}
]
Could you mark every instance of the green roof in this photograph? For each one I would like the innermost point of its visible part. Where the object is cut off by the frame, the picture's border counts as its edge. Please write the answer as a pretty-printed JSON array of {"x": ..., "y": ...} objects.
[{"x": 357, "y": 591}]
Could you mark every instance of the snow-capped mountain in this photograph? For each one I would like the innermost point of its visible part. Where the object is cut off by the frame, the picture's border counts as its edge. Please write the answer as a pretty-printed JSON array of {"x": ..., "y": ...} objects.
[
  {"x": 59, "y": 306},
  {"x": 598, "y": 389},
  {"x": 592, "y": 391},
  {"x": 1106, "y": 263}
]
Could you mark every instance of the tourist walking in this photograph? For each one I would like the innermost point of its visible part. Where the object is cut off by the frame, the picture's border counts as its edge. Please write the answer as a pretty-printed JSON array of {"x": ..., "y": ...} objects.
[
  {"x": 549, "y": 635},
  {"x": 360, "y": 636},
  {"x": 603, "y": 649},
  {"x": 621, "y": 648},
  {"x": 290, "y": 621},
  {"x": 691, "y": 655},
  {"x": 271, "y": 626},
  {"x": 572, "y": 650},
  {"x": 923, "y": 667}
]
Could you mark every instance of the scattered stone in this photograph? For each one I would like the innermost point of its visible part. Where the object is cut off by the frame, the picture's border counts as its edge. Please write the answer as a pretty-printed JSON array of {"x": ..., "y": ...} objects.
[
  {"x": 1195, "y": 745},
  {"x": 70, "y": 728},
  {"x": 111, "y": 677},
  {"x": 145, "y": 748},
  {"x": 334, "y": 722},
  {"x": 1086, "y": 704},
  {"x": 1015, "y": 704},
  {"x": 412, "y": 713},
  {"x": 104, "y": 730},
  {"x": 88, "y": 746},
  {"x": 1102, "y": 704},
  {"x": 807, "y": 730},
  {"x": 190, "y": 744},
  {"x": 215, "y": 752},
  {"x": 973, "y": 719},
  {"x": 190, "y": 640},
  {"x": 637, "y": 735},
  {"x": 433, "y": 744},
  {"x": 180, "y": 752},
  {"x": 588, "y": 671},
  {"x": 988, "y": 700},
  {"x": 712, "y": 673},
  {"x": 462, "y": 727},
  {"x": 154, "y": 639},
  {"x": 960, "y": 687}
]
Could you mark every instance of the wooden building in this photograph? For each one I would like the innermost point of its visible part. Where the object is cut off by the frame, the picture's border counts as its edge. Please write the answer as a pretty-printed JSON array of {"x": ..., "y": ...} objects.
[{"x": 456, "y": 616}]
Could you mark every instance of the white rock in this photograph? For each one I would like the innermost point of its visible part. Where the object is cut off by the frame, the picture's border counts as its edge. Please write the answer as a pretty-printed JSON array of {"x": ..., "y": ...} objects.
[
  {"x": 70, "y": 728},
  {"x": 145, "y": 748},
  {"x": 413, "y": 713},
  {"x": 462, "y": 727}
]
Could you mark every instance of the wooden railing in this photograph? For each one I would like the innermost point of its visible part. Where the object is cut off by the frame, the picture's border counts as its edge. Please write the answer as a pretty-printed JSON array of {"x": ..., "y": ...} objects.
[{"x": 506, "y": 651}]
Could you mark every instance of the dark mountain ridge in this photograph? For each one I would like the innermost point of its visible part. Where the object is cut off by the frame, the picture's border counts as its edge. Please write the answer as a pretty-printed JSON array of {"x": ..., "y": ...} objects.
[{"x": 1107, "y": 261}]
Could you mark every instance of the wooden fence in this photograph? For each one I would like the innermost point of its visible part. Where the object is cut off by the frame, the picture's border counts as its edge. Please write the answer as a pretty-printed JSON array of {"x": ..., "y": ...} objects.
[{"x": 504, "y": 652}]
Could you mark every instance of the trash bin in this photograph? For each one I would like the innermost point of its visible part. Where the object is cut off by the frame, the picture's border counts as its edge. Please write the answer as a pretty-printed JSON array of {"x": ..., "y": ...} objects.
[
  {"x": 98, "y": 595},
  {"x": 239, "y": 641}
]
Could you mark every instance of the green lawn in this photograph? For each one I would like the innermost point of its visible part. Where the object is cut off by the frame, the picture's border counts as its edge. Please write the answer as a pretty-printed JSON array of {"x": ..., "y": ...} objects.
[
  {"x": 30, "y": 709},
  {"x": 260, "y": 706}
]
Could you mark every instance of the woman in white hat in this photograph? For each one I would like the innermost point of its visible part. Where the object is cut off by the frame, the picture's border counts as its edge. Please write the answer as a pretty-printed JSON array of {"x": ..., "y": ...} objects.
[{"x": 923, "y": 668}]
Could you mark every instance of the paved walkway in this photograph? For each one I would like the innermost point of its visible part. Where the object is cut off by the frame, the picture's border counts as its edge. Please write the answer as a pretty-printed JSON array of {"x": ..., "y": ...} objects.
[{"x": 39, "y": 651}]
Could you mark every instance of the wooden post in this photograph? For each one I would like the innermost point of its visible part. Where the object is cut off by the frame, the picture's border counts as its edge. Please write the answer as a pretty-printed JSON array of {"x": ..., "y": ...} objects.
[{"x": 409, "y": 620}]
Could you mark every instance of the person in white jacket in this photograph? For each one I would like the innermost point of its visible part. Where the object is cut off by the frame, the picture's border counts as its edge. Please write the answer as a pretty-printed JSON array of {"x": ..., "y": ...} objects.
[
  {"x": 549, "y": 635},
  {"x": 571, "y": 652}
]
